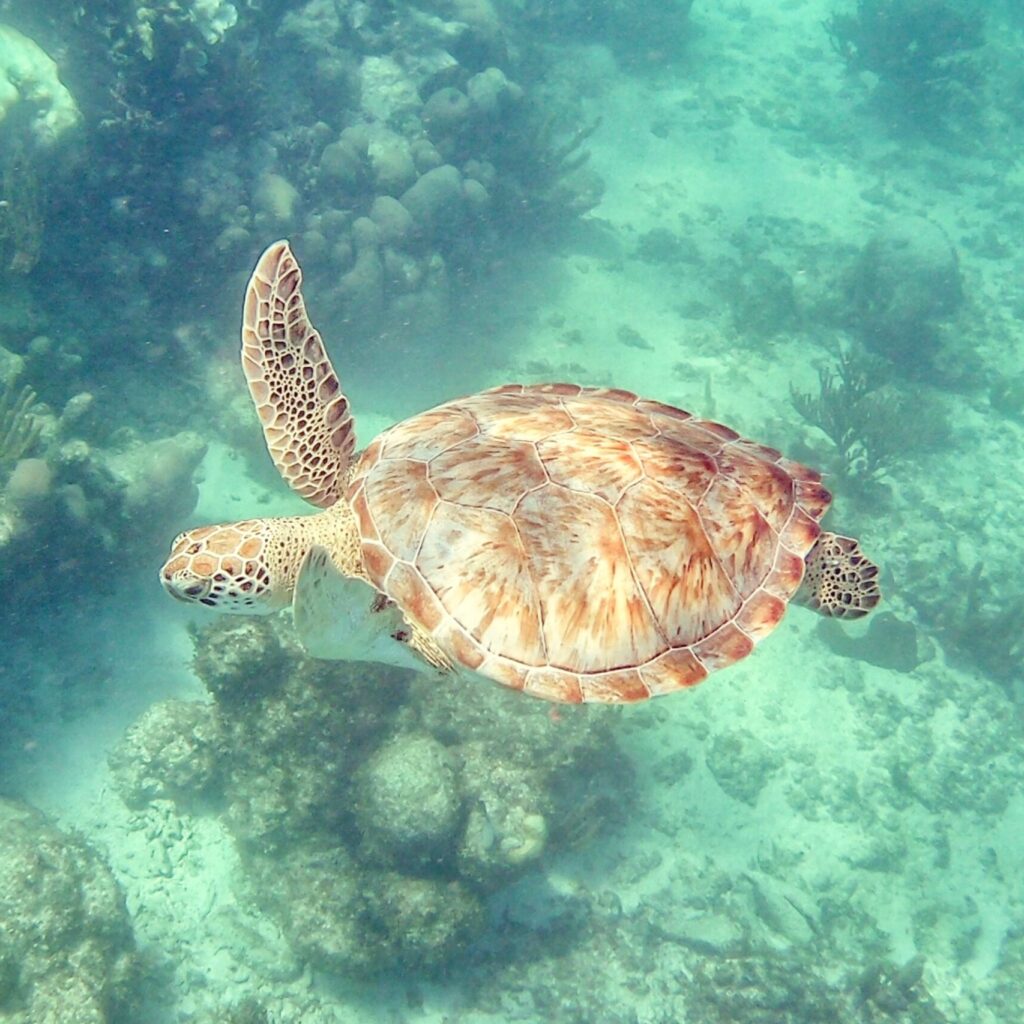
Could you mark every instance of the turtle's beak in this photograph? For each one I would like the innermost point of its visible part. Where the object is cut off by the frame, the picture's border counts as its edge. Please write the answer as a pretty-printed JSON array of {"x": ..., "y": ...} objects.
[{"x": 183, "y": 585}]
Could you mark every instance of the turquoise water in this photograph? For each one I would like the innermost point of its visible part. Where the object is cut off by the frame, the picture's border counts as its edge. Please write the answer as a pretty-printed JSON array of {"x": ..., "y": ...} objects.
[{"x": 800, "y": 220}]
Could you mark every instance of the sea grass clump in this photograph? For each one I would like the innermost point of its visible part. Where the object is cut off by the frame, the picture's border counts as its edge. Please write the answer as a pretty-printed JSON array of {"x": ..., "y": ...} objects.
[
  {"x": 921, "y": 50},
  {"x": 873, "y": 425},
  {"x": 19, "y": 428}
]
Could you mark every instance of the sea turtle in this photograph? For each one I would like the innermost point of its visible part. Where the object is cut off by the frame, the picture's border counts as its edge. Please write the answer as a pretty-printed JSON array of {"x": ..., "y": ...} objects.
[{"x": 575, "y": 543}]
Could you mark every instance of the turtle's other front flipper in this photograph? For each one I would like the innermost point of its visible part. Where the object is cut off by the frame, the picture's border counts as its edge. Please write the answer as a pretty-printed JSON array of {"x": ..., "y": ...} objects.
[
  {"x": 305, "y": 417},
  {"x": 840, "y": 581},
  {"x": 342, "y": 618}
]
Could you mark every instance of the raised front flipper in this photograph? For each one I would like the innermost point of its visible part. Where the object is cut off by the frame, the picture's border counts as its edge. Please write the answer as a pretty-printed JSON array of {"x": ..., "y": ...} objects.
[{"x": 305, "y": 417}]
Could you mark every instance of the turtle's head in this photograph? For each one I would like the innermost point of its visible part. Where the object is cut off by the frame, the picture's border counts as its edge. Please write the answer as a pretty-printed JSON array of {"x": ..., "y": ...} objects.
[{"x": 248, "y": 568}]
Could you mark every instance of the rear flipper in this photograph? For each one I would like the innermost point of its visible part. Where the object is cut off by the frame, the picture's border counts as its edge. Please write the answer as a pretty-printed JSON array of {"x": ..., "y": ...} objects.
[{"x": 840, "y": 581}]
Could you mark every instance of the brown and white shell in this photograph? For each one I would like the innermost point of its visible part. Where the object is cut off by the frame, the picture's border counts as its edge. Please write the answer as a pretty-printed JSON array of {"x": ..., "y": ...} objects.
[{"x": 583, "y": 543}]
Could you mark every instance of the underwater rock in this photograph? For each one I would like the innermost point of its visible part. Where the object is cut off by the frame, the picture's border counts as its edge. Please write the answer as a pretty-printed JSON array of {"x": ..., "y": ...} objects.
[
  {"x": 393, "y": 220},
  {"x": 436, "y": 201},
  {"x": 429, "y": 304},
  {"x": 79, "y": 415},
  {"x": 371, "y": 823},
  {"x": 170, "y": 753},
  {"x": 425, "y": 921},
  {"x": 211, "y": 18},
  {"x": 365, "y": 234},
  {"x": 275, "y": 201},
  {"x": 388, "y": 91},
  {"x": 67, "y": 953},
  {"x": 312, "y": 26},
  {"x": 499, "y": 842},
  {"x": 361, "y": 289},
  {"x": 506, "y": 828},
  {"x": 314, "y": 243},
  {"x": 741, "y": 764},
  {"x": 477, "y": 198},
  {"x": 767, "y": 989},
  {"x": 391, "y": 163},
  {"x": 482, "y": 171},
  {"x": 716, "y": 934},
  {"x": 491, "y": 94},
  {"x": 341, "y": 167},
  {"x": 890, "y": 992},
  {"x": 764, "y": 300},
  {"x": 240, "y": 660},
  {"x": 315, "y": 892},
  {"x": 344, "y": 919},
  {"x": 30, "y": 482},
  {"x": 158, "y": 477},
  {"x": 939, "y": 766},
  {"x": 11, "y": 365},
  {"x": 404, "y": 273},
  {"x": 788, "y": 911},
  {"x": 407, "y": 801},
  {"x": 28, "y": 75},
  {"x": 445, "y": 112},
  {"x": 425, "y": 155},
  {"x": 343, "y": 254},
  {"x": 918, "y": 53},
  {"x": 294, "y": 730}
]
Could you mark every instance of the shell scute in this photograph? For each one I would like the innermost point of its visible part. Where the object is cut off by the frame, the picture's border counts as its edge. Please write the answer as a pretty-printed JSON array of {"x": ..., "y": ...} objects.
[
  {"x": 727, "y": 644},
  {"x": 474, "y": 562},
  {"x": 487, "y": 473},
  {"x": 660, "y": 409},
  {"x": 409, "y": 590},
  {"x": 743, "y": 541},
  {"x": 561, "y": 389},
  {"x": 428, "y": 434},
  {"x": 761, "y": 614},
  {"x": 624, "y": 687},
  {"x": 582, "y": 544},
  {"x": 686, "y": 587},
  {"x": 673, "y": 670},
  {"x": 584, "y": 460},
  {"x": 402, "y": 500},
  {"x": 364, "y": 518},
  {"x": 676, "y": 466},
  {"x": 603, "y": 416},
  {"x": 551, "y": 684},
  {"x": 531, "y": 424},
  {"x": 595, "y": 616},
  {"x": 377, "y": 561}
]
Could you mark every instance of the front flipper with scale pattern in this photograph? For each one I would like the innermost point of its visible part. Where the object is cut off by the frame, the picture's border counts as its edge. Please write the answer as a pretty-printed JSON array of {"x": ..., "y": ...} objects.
[
  {"x": 305, "y": 417},
  {"x": 840, "y": 581}
]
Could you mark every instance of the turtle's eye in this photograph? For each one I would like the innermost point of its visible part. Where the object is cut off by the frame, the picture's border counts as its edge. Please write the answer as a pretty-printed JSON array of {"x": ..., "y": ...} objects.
[{"x": 194, "y": 589}]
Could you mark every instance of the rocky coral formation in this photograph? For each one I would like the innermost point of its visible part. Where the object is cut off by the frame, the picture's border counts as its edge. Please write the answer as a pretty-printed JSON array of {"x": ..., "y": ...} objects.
[
  {"x": 68, "y": 481},
  {"x": 67, "y": 495},
  {"x": 375, "y": 809},
  {"x": 80, "y": 503},
  {"x": 29, "y": 79},
  {"x": 172, "y": 752},
  {"x": 261, "y": 119},
  {"x": 66, "y": 947},
  {"x": 774, "y": 989}
]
